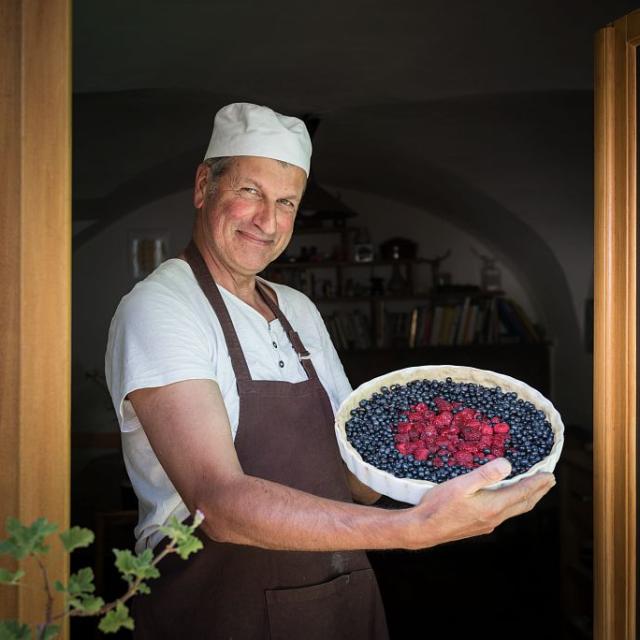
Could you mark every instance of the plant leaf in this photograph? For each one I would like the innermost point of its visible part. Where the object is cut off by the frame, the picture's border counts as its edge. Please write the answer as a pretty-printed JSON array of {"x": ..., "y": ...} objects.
[
  {"x": 116, "y": 618},
  {"x": 186, "y": 547},
  {"x": 90, "y": 604},
  {"x": 13, "y": 630},
  {"x": 182, "y": 535},
  {"x": 10, "y": 577},
  {"x": 81, "y": 582},
  {"x": 76, "y": 537},
  {"x": 26, "y": 540},
  {"x": 51, "y": 632},
  {"x": 138, "y": 566},
  {"x": 8, "y": 547}
]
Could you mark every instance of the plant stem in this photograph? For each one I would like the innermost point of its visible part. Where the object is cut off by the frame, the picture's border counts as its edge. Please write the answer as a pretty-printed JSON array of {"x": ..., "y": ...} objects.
[
  {"x": 133, "y": 587},
  {"x": 47, "y": 588}
]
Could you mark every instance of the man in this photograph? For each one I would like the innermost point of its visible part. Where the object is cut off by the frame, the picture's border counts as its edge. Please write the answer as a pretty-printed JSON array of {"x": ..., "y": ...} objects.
[{"x": 226, "y": 387}]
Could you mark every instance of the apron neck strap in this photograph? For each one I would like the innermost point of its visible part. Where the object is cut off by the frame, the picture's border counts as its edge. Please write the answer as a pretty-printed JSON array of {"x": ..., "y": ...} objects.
[
  {"x": 211, "y": 291},
  {"x": 294, "y": 338}
]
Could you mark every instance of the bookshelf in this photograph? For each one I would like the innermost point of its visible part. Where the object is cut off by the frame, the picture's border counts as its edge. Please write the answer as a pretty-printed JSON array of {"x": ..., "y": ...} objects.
[
  {"x": 379, "y": 319},
  {"x": 457, "y": 319}
]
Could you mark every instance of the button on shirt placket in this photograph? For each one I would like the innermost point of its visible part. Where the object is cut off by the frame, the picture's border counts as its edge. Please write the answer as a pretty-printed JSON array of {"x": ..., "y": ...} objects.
[{"x": 275, "y": 346}]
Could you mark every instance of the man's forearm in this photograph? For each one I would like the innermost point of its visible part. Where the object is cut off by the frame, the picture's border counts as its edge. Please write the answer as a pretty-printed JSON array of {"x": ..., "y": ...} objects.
[
  {"x": 247, "y": 510},
  {"x": 265, "y": 514}
]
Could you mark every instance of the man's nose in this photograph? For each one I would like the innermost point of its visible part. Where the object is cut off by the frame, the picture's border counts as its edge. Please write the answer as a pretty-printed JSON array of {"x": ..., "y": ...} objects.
[{"x": 265, "y": 217}]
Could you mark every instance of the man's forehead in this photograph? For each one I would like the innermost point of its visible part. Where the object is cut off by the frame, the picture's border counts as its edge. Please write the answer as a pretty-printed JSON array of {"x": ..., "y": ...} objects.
[{"x": 259, "y": 169}]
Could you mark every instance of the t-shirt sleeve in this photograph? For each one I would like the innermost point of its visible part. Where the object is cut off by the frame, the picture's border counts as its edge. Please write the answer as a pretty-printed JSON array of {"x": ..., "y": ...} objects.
[{"x": 155, "y": 339}]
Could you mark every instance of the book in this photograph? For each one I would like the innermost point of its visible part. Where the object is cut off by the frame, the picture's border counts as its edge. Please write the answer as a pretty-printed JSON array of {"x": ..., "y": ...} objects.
[
  {"x": 472, "y": 324},
  {"x": 508, "y": 319},
  {"x": 435, "y": 327},
  {"x": 464, "y": 319},
  {"x": 413, "y": 328},
  {"x": 362, "y": 329},
  {"x": 445, "y": 327},
  {"x": 379, "y": 324},
  {"x": 528, "y": 325},
  {"x": 456, "y": 313},
  {"x": 426, "y": 331}
]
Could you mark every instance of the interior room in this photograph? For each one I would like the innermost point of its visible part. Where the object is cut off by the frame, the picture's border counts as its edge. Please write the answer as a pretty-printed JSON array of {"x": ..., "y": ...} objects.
[{"x": 452, "y": 168}]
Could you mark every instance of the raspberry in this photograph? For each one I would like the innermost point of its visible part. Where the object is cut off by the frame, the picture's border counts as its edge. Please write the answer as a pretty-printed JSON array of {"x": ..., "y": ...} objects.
[
  {"x": 403, "y": 448},
  {"x": 443, "y": 419},
  {"x": 443, "y": 405}
]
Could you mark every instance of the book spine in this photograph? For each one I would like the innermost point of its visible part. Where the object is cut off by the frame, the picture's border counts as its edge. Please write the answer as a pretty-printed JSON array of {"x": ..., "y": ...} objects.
[{"x": 435, "y": 328}]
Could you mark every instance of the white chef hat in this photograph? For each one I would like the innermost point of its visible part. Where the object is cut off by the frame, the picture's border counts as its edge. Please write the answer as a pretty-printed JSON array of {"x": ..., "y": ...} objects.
[{"x": 243, "y": 129}]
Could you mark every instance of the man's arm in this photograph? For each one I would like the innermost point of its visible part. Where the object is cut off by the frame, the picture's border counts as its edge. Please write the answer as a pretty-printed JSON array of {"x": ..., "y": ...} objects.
[{"x": 188, "y": 428}]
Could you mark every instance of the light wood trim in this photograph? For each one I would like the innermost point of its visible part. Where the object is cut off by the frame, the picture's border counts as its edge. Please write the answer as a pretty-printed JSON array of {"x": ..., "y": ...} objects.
[
  {"x": 35, "y": 277},
  {"x": 9, "y": 273},
  {"x": 615, "y": 337}
]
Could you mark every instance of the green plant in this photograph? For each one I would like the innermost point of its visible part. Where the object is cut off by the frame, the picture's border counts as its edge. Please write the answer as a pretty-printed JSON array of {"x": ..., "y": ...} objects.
[{"x": 79, "y": 597}]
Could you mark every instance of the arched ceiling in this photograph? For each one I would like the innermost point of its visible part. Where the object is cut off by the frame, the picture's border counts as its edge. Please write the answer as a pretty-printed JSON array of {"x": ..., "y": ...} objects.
[
  {"x": 336, "y": 54},
  {"x": 149, "y": 76}
]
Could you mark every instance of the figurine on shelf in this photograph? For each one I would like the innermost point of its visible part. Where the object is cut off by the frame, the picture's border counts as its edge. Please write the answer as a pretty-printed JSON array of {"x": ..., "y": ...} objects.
[
  {"x": 397, "y": 283},
  {"x": 435, "y": 263},
  {"x": 362, "y": 248},
  {"x": 490, "y": 276},
  {"x": 401, "y": 248}
]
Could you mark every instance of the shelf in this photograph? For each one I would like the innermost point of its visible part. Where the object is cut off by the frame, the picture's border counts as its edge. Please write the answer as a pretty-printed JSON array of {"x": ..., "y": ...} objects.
[
  {"x": 519, "y": 346},
  {"x": 384, "y": 298},
  {"x": 309, "y": 230},
  {"x": 332, "y": 264}
]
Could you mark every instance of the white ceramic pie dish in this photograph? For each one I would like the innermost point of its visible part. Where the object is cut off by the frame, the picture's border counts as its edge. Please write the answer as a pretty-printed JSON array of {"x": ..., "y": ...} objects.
[{"x": 412, "y": 491}]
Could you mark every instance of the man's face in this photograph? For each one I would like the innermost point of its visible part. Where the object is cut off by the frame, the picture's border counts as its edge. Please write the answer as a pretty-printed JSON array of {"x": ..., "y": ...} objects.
[{"x": 247, "y": 221}]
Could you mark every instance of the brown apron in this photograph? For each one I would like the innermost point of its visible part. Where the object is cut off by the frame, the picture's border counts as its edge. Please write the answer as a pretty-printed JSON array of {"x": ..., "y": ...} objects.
[{"x": 285, "y": 434}]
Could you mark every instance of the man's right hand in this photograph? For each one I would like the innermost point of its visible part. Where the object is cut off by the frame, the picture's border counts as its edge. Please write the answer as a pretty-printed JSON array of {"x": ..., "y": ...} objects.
[{"x": 464, "y": 507}]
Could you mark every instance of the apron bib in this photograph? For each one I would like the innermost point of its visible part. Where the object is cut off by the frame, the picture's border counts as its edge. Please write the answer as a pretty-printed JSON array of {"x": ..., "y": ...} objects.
[{"x": 286, "y": 435}]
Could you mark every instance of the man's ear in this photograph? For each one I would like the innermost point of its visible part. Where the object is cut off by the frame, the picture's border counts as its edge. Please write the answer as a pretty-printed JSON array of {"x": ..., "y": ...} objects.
[{"x": 200, "y": 188}]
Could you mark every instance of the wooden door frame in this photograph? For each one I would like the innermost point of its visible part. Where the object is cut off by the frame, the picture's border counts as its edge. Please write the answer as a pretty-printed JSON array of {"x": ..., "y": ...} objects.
[
  {"x": 615, "y": 229},
  {"x": 35, "y": 283}
]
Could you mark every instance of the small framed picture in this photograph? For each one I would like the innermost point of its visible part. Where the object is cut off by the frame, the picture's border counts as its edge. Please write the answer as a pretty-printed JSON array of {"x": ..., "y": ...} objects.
[
  {"x": 363, "y": 252},
  {"x": 148, "y": 248}
]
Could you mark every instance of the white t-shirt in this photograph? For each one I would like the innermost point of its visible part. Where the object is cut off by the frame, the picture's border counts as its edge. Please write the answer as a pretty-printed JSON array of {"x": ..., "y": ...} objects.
[{"x": 165, "y": 331}]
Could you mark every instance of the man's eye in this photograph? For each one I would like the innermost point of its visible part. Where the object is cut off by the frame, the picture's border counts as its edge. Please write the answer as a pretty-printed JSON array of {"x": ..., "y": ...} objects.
[
  {"x": 287, "y": 203},
  {"x": 250, "y": 191}
]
